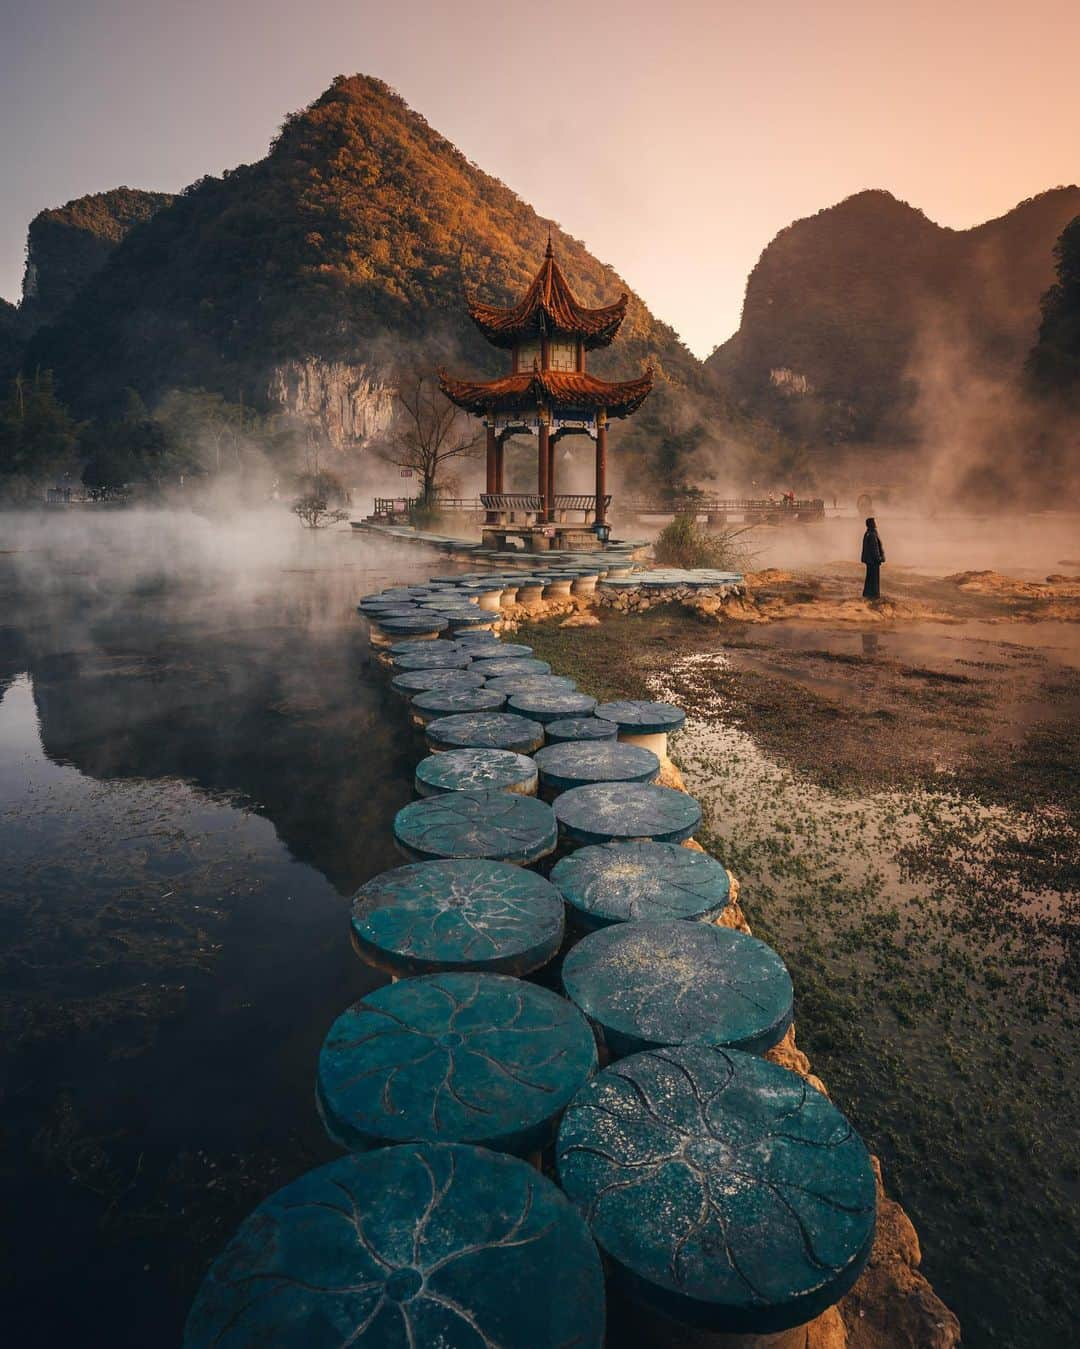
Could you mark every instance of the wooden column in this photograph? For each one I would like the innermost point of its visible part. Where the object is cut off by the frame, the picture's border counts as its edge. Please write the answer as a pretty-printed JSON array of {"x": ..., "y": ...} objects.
[
  {"x": 492, "y": 516},
  {"x": 500, "y": 456},
  {"x": 601, "y": 467},
  {"x": 543, "y": 477},
  {"x": 553, "y": 450}
]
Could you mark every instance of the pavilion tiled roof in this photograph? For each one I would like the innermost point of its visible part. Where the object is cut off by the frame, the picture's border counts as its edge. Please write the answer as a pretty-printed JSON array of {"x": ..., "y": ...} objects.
[
  {"x": 564, "y": 389},
  {"x": 549, "y": 306}
]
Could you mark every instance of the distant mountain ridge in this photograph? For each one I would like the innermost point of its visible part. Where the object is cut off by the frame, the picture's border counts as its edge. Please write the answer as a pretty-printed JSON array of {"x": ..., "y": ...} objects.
[
  {"x": 352, "y": 242},
  {"x": 846, "y": 310}
]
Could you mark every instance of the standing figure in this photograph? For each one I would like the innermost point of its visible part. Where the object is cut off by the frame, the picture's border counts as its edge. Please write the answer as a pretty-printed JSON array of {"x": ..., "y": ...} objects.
[{"x": 873, "y": 555}]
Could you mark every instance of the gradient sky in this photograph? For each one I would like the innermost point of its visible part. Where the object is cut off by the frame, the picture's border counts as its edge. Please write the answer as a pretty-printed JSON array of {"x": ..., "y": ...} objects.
[{"x": 674, "y": 138}]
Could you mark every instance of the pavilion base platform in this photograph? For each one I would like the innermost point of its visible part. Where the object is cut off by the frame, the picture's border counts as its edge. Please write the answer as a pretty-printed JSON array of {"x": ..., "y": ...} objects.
[{"x": 543, "y": 538}]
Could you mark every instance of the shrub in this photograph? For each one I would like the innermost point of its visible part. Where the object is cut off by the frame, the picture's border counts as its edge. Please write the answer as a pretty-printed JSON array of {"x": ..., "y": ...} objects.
[{"x": 684, "y": 543}]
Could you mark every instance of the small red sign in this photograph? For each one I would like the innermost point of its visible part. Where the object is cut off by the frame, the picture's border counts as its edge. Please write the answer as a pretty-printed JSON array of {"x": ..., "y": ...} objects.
[{"x": 406, "y": 472}]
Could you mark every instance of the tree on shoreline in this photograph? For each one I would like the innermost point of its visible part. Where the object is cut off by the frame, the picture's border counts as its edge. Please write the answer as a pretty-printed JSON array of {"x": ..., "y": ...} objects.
[{"x": 428, "y": 431}]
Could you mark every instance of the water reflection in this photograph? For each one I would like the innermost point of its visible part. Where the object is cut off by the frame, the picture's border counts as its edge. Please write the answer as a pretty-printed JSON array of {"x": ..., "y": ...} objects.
[{"x": 197, "y": 765}]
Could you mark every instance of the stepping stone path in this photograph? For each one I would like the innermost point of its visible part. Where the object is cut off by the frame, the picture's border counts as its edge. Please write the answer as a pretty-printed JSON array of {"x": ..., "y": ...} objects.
[
  {"x": 435, "y": 916},
  {"x": 502, "y": 826},
  {"x": 569, "y": 729},
  {"x": 485, "y": 730},
  {"x": 464, "y": 770},
  {"x": 419, "y": 1245},
  {"x": 454, "y": 1058},
  {"x": 726, "y": 1191},
  {"x": 565, "y": 766},
  {"x": 647, "y": 984},
  {"x": 628, "y": 882},
  {"x": 607, "y": 812}
]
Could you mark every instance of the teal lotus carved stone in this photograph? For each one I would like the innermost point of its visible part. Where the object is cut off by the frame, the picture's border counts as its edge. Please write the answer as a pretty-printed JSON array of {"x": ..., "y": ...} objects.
[
  {"x": 724, "y": 1188},
  {"x": 420, "y": 1245},
  {"x": 647, "y": 984},
  {"x": 485, "y": 730},
  {"x": 563, "y": 767},
  {"x": 567, "y": 729},
  {"x": 634, "y": 717},
  {"x": 454, "y": 1058},
  {"x": 498, "y": 825},
  {"x": 457, "y": 915},
  {"x": 609, "y": 811},
  {"x": 468, "y": 770},
  {"x": 411, "y": 682},
  {"x": 630, "y": 882},
  {"x": 549, "y": 704}
]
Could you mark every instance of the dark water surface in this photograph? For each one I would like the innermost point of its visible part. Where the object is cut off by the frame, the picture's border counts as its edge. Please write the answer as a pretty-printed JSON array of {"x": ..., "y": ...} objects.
[{"x": 198, "y": 766}]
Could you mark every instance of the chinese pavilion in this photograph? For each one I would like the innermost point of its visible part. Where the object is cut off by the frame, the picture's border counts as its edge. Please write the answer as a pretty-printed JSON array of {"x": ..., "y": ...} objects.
[{"x": 548, "y": 392}]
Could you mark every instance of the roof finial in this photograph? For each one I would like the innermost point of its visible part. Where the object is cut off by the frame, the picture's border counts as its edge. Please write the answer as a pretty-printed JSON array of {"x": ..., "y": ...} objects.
[{"x": 548, "y": 252}]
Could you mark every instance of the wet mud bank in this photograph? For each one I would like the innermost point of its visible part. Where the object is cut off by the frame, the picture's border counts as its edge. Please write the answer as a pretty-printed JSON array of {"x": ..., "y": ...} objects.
[{"x": 899, "y": 801}]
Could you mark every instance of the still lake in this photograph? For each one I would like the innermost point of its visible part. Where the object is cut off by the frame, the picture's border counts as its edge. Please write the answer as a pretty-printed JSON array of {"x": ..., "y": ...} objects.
[{"x": 198, "y": 766}]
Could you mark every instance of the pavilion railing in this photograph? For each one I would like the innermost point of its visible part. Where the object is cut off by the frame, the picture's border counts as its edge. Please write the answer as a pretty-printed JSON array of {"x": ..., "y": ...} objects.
[{"x": 532, "y": 503}]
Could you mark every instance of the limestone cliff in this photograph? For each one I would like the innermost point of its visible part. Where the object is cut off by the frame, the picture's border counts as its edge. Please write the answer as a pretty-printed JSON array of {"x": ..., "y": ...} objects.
[{"x": 350, "y": 402}]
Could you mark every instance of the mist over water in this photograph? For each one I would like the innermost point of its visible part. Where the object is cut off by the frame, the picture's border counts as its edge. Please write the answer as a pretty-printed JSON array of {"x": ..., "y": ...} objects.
[{"x": 197, "y": 767}]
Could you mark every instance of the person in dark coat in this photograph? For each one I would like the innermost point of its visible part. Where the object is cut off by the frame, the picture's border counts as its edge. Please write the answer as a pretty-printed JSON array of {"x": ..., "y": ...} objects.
[{"x": 873, "y": 555}]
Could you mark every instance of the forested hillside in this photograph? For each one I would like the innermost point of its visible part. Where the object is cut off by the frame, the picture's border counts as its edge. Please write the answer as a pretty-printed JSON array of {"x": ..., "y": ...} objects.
[
  {"x": 351, "y": 241},
  {"x": 68, "y": 244},
  {"x": 849, "y": 313}
]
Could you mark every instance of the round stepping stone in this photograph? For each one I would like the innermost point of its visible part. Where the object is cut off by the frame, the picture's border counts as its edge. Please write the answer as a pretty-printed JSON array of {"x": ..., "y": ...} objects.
[
  {"x": 726, "y": 1190},
  {"x": 437, "y": 659},
  {"x": 380, "y": 611},
  {"x": 485, "y": 730},
  {"x": 467, "y": 770},
  {"x": 456, "y": 915},
  {"x": 419, "y": 681},
  {"x": 413, "y": 644},
  {"x": 448, "y": 702},
  {"x": 494, "y": 824},
  {"x": 424, "y": 1245},
  {"x": 609, "y": 812},
  {"x": 545, "y": 705},
  {"x": 453, "y": 1058},
  {"x": 629, "y": 882},
  {"x": 577, "y": 764},
  {"x": 500, "y": 651},
  {"x": 527, "y": 683},
  {"x": 496, "y": 669},
  {"x": 400, "y": 627},
  {"x": 464, "y": 625},
  {"x": 647, "y": 984},
  {"x": 642, "y": 718},
  {"x": 568, "y": 729}
]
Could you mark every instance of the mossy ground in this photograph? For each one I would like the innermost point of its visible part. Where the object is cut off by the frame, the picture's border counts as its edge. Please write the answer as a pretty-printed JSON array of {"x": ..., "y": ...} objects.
[{"x": 918, "y": 873}]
